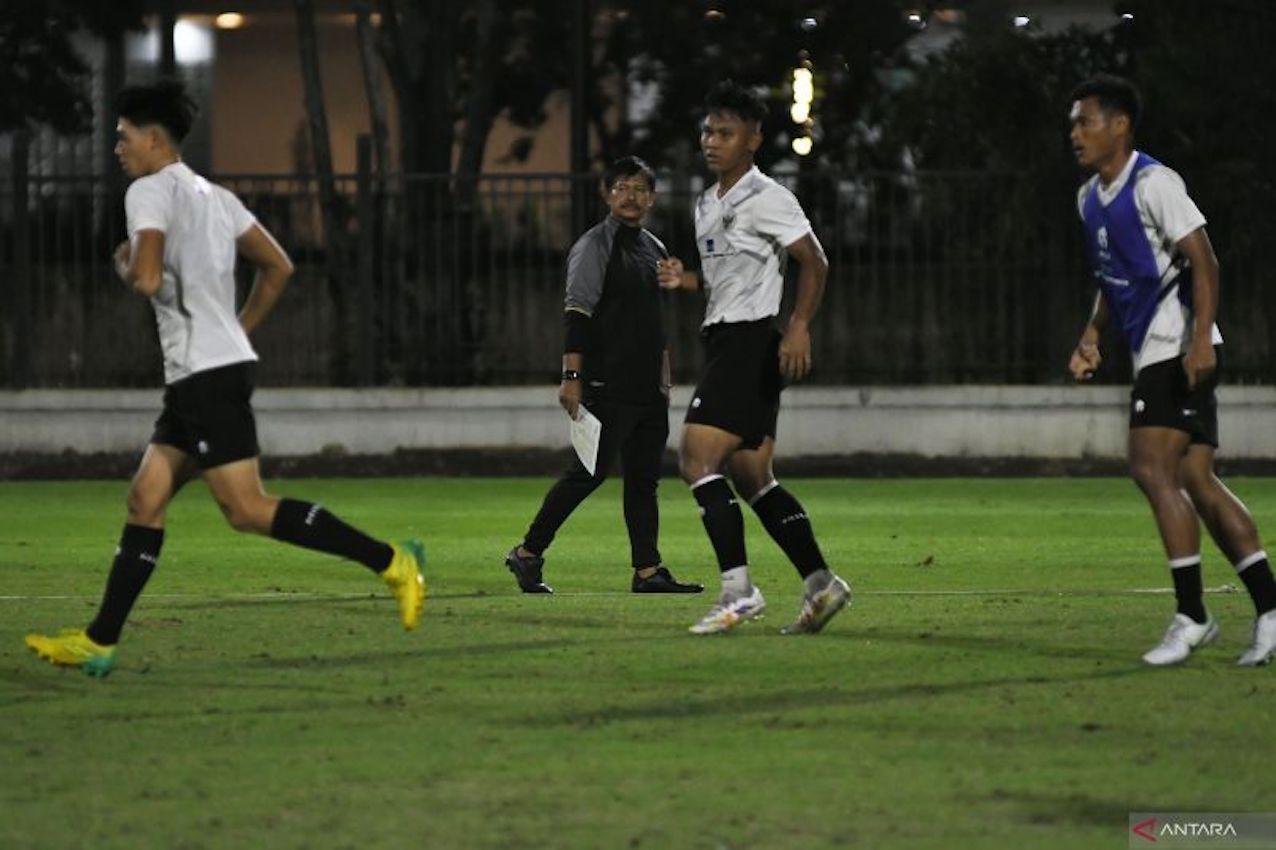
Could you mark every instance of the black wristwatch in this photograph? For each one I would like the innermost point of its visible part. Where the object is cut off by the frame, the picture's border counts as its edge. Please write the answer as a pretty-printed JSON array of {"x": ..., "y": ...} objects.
[{"x": 571, "y": 375}]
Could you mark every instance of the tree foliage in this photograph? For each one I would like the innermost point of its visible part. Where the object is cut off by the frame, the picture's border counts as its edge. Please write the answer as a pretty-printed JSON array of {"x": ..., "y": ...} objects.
[
  {"x": 43, "y": 79},
  {"x": 681, "y": 51},
  {"x": 443, "y": 55}
]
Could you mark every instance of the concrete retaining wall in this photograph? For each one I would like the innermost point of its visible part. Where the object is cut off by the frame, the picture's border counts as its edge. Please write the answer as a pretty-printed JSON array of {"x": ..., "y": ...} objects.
[{"x": 967, "y": 421}]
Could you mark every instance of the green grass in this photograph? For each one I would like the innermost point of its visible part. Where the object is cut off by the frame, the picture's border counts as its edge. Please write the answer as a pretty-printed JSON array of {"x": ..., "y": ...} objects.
[{"x": 984, "y": 691}]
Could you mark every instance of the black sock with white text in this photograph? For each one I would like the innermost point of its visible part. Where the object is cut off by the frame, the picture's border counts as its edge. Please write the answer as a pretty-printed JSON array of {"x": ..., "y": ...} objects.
[
  {"x": 135, "y": 560},
  {"x": 312, "y": 526}
]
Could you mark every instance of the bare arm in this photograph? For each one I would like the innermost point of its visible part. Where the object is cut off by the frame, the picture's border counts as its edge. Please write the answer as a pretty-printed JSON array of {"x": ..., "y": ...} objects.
[
  {"x": 1085, "y": 357},
  {"x": 273, "y": 270},
  {"x": 1200, "y": 359},
  {"x": 140, "y": 263},
  {"x": 795, "y": 347}
]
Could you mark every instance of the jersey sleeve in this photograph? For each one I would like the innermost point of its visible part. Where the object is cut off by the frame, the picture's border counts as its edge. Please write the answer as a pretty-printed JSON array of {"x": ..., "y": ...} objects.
[
  {"x": 148, "y": 205},
  {"x": 1163, "y": 196},
  {"x": 779, "y": 215},
  {"x": 587, "y": 271},
  {"x": 240, "y": 218}
]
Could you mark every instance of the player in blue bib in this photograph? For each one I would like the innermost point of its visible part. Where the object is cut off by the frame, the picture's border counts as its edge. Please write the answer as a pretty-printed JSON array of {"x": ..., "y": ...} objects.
[{"x": 1158, "y": 283}]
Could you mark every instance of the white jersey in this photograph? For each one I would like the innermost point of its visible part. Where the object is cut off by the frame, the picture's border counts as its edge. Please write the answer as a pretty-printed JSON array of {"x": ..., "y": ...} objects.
[
  {"x": 743, "y": 238},
  {"x": 1167, "y": 214},
  {"x": 195, "y": 305}
]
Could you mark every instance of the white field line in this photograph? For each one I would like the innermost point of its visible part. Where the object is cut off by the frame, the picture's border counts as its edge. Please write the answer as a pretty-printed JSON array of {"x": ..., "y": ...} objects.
[{"x": 275, "y": 596}]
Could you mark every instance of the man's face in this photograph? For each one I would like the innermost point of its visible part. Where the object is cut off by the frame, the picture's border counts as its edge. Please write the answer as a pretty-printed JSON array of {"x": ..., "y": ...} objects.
[
  {"x": 728, "y": 142},
  {"x": 134, "y": 147},
  {"x": 629, "y": 198},
  {"x": 1096, "y": 135}
]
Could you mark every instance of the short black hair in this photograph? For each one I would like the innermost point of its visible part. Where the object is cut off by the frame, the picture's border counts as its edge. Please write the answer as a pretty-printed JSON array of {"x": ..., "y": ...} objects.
[
  {"x": 628, "y": 166},
  {"x": 164, "y": 103},
  {"x": 730, "y": 96},
  {"x": 1114, "y": 94}
]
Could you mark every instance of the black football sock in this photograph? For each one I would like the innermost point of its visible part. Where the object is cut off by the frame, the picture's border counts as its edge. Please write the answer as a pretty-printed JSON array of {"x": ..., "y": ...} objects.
[
  {"x": 310, "y": 525},
  {"x": 1188, "y": 590},
  {"x": 135, "y": 560},
  {"x": 787, "y": 523},
  {"x": 1256, "y": 573},
  {"x": 723, "y": 520}
]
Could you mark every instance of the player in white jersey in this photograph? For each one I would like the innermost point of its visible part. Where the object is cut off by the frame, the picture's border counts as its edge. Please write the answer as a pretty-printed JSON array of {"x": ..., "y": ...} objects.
[
  {"x": 747, "y": 228},
  {"x": 1158, "y": 282},
  {"x": 184, "y": 235}
]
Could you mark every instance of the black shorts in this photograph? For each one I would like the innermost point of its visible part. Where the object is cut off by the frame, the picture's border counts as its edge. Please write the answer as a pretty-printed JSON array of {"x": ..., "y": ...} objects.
[
  {"x": 739, "y": 391},
  {"x": 1161, "y": 399},
  {"x": 209, "y": 416}
]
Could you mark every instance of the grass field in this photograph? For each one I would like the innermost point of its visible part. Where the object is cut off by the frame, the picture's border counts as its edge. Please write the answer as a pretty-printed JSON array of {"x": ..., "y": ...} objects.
[{"x": 984, "y": 691}]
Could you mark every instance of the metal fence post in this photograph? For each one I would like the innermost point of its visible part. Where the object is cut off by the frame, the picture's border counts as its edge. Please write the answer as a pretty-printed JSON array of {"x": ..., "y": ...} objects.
[{"x": 364, "y": 331}]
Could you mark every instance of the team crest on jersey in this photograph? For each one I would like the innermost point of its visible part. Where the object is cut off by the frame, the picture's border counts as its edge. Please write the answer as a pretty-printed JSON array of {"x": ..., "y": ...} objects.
[
  {"x": 728, "y": 219},
  {"x": 1102, "y": 236},
  {"x": 708, "y": 245}
]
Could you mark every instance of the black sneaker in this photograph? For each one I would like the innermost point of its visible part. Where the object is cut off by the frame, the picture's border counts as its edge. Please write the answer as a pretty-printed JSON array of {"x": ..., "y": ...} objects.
[
  {"x": 662, "y": 582},
  {"x": 528, "y": 572}
]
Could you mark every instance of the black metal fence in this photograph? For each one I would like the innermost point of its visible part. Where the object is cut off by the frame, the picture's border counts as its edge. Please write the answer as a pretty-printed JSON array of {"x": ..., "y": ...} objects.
[{"x": 934, "y": 278}]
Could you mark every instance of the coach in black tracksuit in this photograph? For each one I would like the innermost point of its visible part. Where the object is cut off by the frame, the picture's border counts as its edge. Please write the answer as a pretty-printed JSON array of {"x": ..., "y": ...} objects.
[{"x": 615, "y": 362}]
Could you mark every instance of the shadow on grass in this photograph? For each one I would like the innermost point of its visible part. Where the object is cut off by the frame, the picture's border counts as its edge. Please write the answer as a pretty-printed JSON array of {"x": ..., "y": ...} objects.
[
  {"x": 40, "y": 676},
  {"x": 315, "y": 661},
  {"x": 780, "y": 701},
  {"x": 934, "y": 637},
  {"x": 1061, "y": 810},
  {"x": 300, "y": 597}
]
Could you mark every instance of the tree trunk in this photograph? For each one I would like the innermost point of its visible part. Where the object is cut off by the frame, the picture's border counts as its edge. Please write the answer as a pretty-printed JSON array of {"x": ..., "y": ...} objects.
[
  {"x": 334, "y": 236},
  {"x": 372, "y": 85},
  {"x": 478, "y": 113}
]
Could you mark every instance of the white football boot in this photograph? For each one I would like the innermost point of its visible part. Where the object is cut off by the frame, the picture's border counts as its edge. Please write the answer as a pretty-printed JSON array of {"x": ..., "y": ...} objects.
[
  {"x": 819, "y": 607},
  {"x": 729, "y": 612},
  {"x": 1183, "y": 636},
  {"x": 1264, "y": 646}
]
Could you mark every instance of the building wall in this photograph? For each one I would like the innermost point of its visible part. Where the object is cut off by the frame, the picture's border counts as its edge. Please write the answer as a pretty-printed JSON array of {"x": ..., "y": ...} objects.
[
  {"x": 256, "y": 124},
  {"x": 927, "y": 422}
]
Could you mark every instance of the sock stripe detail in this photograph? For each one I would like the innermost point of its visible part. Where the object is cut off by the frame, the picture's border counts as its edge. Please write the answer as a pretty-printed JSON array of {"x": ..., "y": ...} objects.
[
  {"x": 1180, "y": 563},
  {"x": 1250, "y": 560},
  {"x": 707, "y": 479},
  {"x": 767, "y": 489}
]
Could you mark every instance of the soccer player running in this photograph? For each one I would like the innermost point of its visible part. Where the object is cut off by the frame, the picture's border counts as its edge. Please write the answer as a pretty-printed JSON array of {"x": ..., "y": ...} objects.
[
  {"x": 747, "y": 228},
  {"x": 616, "y": 364},
  {"x": 1158, "y": 281},
  {"x": 184, "y": 234}
]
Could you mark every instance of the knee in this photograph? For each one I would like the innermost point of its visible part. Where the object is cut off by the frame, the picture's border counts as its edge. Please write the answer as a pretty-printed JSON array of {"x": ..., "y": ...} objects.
[
  {"x": 1152, "y": 476},
  {"x": 750, "y": 483},
  {"x": 689, "y": 468},
  {"x": 144, "y": 508},
  {"x": 1200, "y": 490},
  {"x": 247, "y": 516}
]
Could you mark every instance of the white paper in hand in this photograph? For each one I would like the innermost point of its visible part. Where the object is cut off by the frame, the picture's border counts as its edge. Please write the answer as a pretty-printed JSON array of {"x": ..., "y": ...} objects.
[{"x": 586, "y": 430}]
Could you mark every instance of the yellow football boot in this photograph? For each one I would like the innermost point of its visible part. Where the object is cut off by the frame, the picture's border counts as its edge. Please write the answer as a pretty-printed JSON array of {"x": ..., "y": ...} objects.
[
  {"x": 74, "y": 648},
  {"x": 405, "y": 580}
]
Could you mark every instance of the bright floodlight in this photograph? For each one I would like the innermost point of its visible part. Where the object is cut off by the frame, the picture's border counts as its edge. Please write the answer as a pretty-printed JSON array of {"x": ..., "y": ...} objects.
[
  {"x": 803, "y": 85},
  {"x": 799, "y": 112},
  {"x": 228, "y": 21},
  {"x": 192, "y": 42},
  {"x": 802, "y": 145},
  {"x": 1022, "y": 21}
]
